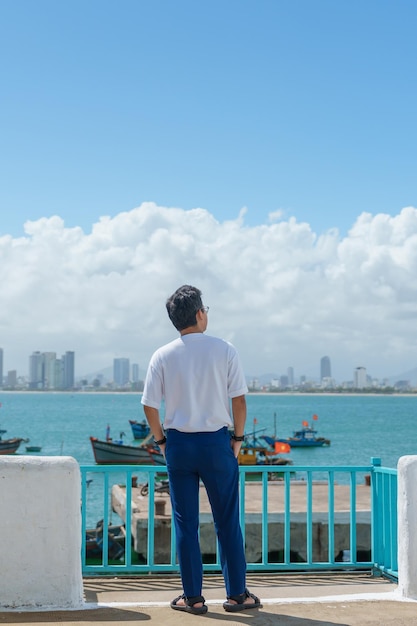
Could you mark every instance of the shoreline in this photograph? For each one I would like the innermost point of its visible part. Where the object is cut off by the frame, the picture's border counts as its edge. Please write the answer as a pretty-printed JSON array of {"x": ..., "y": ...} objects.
[
  {"x": 333, "y": 394},
  {"x": 76, "y": 392}
]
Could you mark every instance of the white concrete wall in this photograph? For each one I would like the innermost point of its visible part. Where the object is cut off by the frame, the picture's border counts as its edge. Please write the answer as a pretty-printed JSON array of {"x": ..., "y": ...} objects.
[
  {"x": 40, "y": 533},
  {"x": 407, "y": 527}
]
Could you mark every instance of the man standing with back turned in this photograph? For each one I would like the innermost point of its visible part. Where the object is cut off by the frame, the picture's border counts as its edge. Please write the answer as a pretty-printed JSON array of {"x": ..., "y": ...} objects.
[{"x": 197, "y": 376}]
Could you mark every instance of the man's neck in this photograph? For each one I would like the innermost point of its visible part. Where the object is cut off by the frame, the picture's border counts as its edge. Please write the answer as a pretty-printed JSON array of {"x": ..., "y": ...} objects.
[
  {"x": 200, "y": 325},
  {"x": 190, "y": 329}
]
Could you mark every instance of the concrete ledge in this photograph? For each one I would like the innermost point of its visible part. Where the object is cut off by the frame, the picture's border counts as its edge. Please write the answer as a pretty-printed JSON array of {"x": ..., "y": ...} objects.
[
  {"x": 407, "y": 524},
  {"x": 41, "y": 532}
]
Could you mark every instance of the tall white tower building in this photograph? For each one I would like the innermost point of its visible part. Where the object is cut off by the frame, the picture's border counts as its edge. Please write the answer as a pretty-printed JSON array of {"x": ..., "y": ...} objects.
[{"x": 360, "y": 378}]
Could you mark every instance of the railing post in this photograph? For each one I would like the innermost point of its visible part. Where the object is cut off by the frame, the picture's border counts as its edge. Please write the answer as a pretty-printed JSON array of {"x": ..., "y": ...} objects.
[
  {"x": 376, "y": 525},
  {"x": 407, "y": 525}
]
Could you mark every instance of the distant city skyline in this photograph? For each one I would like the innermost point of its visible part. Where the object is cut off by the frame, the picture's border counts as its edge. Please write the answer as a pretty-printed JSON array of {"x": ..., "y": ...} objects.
[{"x": 47, "y": 371}]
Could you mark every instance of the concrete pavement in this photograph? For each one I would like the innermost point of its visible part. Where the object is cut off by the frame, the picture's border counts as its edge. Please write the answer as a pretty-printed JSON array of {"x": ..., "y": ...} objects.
[{"x": 343, "y": 599}]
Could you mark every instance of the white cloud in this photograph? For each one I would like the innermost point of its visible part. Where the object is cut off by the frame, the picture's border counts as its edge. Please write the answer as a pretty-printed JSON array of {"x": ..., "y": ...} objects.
[
  {"x": 276, "y": 216},
  {"x": 282, "y": 293}
]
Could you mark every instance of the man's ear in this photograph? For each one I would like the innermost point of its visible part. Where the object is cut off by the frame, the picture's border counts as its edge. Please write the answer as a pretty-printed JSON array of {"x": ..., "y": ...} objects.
[{"x": 199, "y": 316}]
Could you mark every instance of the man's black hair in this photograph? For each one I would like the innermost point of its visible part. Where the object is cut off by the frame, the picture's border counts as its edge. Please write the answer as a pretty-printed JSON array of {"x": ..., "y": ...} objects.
[{"x": 183, "y": 305}]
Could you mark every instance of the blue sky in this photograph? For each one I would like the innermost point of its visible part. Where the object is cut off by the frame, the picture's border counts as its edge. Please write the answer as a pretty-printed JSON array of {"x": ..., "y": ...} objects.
[{"x": 300, "y": 106}]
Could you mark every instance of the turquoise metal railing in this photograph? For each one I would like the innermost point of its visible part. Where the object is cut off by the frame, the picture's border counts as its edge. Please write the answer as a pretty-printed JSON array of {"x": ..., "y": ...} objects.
[
  {"x": 384, "y": 519},
  {"x": 271, "y": 529}
]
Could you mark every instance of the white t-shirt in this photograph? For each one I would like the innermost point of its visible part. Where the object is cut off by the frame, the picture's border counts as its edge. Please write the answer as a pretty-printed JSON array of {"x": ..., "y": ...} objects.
[{"x": 196, "y": 375}]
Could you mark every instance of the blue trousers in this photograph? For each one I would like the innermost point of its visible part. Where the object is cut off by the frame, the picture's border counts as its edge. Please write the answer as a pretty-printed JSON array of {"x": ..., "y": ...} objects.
[{"x": 205, "y": 456}]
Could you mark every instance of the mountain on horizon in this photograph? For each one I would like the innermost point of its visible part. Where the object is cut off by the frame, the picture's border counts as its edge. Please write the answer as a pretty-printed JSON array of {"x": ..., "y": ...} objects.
[
  {"x": 410, "y": 375},
  {"x": 107, "y": 374}
]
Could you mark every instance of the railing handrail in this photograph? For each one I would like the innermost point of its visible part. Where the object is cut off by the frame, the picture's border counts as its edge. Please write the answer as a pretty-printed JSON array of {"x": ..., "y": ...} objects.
[{"x": 383, "y": 542}]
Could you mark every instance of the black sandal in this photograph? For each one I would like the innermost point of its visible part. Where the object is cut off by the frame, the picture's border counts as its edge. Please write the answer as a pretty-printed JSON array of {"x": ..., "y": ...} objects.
[
  {"x": 240, "y": 600},
  {"x": 189, "y": 606}
]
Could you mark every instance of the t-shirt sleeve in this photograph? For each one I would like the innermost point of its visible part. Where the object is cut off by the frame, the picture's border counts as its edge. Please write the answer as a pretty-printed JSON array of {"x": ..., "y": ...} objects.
[
  {"x": 153, "y": 388},
  {"x": 236, "y": 381}
]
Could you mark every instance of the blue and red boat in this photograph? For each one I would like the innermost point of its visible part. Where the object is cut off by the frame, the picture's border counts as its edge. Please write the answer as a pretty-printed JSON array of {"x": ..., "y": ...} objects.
[
  {"x": 306, "y": 437},
  {"x": 140, "y": 430}
]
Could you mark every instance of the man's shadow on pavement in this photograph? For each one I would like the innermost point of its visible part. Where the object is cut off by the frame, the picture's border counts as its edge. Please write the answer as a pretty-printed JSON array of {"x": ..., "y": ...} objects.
[{"x": 261, "y": 617}]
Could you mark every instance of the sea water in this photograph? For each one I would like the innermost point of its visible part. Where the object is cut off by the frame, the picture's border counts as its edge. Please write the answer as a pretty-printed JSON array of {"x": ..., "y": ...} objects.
[{"x": 359, "y": 427}]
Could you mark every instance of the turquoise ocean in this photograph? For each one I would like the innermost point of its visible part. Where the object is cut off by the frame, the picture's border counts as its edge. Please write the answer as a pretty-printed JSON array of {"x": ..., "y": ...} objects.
[{"x": 359, "y": 427}]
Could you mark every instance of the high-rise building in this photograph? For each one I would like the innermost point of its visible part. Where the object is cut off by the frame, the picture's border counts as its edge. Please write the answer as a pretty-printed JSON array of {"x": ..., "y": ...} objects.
[
  {"x": 283, "y": 381},
  {"x": 1, "y": 367},
  {"x": 360, "y": 378},
  {"x": 290, "y": 374},
  {"x": 121, "y": 371},
  {"x": 36, "y": 374},
  {"x": 59, "y": 374},
  {"x": 11, "y": 381},
  {"x": 48, "y": 372},
  {"x": 68, "y": 370},
  {"x": 49, "y": 375},
  {"x": 135, "y": 373},
  {"x": 325, "y": 368}
]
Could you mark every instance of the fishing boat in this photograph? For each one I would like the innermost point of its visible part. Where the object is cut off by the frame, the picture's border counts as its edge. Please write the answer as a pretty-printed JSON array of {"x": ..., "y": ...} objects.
[
  {"x": 140, "y": 430},
  {"x": 306, "y": 437},
  {"x": 254, "y": 452},
  {"x": 111, "y": 452},
  {"x": 249, "y": 455},
  {"x": 33, "y": 448},
  {"x": 116, "y": 541},
  {"x": 9, "y": 446}
]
